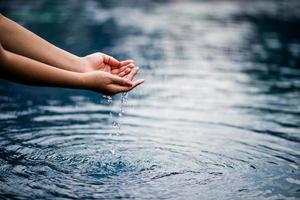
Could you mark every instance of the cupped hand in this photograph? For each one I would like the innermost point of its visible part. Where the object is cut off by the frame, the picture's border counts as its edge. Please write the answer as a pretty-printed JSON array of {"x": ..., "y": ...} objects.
[
  {"x": 106, "y": 63},
  {"x": 109, "y": 84}
]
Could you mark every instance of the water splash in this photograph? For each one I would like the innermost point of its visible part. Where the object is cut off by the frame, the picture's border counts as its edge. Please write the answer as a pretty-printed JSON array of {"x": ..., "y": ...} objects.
[
  {"x": 124, "y": 99},
  {"x": 116, "y": 123},
  {"x": 221, "y": 110},
  {"x": 116, "y": 119}
]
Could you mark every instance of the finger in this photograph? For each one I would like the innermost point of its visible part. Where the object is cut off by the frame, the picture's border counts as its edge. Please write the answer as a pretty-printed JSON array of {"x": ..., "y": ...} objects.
[
  {"x": 119, "y": 70},
  {"x": 133, "y": 72},
  {"x": 111, "y": 61},
  {"x": 118, "y": 88},
  {"x": 137, "y": 83},
  {"x": 125, "y": 72},
  {"x": 126, "y": 62},
  {"x": 121, "y": 81},
  {"x": 127, "y": 89}
]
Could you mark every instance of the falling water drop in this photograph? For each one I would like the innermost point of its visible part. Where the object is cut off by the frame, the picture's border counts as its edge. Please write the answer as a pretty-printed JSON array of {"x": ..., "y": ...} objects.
[
  {"x": 113, "y": 151},
  {"x": 124, "y": 98},
  {"x": 116, "y": 119},
  {"x": 109, "y": 99}
]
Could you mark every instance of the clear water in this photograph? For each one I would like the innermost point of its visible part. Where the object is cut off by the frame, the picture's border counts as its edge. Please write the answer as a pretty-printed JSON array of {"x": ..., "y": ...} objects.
[{"x": 217, "y": 118}]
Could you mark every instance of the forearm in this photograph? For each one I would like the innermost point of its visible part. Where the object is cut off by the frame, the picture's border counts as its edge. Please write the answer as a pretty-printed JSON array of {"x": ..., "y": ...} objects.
[
  {"x": 19, "y": 40},
  {"x": 25, "y": 70}
]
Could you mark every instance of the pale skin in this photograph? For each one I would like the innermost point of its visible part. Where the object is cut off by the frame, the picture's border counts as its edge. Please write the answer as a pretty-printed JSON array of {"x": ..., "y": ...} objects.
[{"x": 29, "y": 59}]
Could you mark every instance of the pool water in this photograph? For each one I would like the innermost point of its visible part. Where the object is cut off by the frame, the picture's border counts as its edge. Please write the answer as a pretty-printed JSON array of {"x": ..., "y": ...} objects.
[{"x": 217, "y": 118}]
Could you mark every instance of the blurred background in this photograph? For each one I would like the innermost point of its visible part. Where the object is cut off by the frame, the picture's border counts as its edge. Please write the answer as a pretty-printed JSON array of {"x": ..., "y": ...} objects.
[{"x": 217, "y": 118}]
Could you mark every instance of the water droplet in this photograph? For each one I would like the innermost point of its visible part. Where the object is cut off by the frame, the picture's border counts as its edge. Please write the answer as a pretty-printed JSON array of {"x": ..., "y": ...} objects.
[
  {"x": 124, "y": 98},
  {"x": 108, "y": 98},
  {"x": 113, "y": 151}
]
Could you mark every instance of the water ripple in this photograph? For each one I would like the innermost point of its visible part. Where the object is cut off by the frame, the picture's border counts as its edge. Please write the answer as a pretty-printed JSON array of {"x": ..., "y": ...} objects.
[{"x": 217, "y": 118}]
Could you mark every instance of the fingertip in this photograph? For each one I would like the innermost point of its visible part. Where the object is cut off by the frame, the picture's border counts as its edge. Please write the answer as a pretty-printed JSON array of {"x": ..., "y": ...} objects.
[
  {"x": 125, "y": 72},
  {"x": 122, "y": 74},
  {"x": 131, "y": 65},
  {"x": 136, "y": 69},
  {"x": 138, "y": 82},
  {"x": 127, "y": 62},
  {"x": 127, "y": 66},
  {"x": 128, "y": 69}
]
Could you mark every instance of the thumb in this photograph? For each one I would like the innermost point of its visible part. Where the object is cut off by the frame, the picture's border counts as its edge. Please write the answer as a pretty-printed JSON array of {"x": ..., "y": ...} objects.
[
  {"x": 111, "y": 60},
  {"x": 121, "y": 81}
]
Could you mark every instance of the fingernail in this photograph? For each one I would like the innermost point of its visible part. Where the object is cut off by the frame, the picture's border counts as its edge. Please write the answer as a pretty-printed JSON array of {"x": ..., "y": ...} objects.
[{"x": 129, "y": 84}]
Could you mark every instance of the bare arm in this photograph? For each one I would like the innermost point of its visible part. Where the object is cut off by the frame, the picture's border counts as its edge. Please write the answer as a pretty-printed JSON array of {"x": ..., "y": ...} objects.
[
  {"x": 25, "y": 70},
  {"x": 19, "y": 40}
]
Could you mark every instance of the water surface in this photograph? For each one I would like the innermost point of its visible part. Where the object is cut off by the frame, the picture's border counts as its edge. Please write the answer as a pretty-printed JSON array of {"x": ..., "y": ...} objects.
[{"x": 217, "y": 118}]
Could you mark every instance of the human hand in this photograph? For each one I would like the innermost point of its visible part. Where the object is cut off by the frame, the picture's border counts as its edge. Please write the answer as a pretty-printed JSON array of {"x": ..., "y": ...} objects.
[
  {"x": 109, "y": 84},
  {"x": 106, "y": 63}
]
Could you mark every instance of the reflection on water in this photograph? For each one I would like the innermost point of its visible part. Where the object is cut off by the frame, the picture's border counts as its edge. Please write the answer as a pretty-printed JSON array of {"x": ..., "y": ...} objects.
[{"x": 218, "y": 116}]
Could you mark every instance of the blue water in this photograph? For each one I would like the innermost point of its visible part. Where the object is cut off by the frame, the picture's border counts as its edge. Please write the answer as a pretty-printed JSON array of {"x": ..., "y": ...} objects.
[{"x": 217, "y": 118}]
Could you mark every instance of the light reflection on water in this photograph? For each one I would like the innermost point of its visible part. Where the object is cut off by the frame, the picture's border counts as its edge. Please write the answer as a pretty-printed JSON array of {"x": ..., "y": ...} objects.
[{"x": 218, "y": 116}]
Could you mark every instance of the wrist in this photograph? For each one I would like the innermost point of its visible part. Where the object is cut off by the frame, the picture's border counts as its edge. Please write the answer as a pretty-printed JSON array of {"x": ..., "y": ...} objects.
[
  {"x": 80, "y": 64},
  {"x": 69, "y": 62},
  {"x": 83, "y": 80}
]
